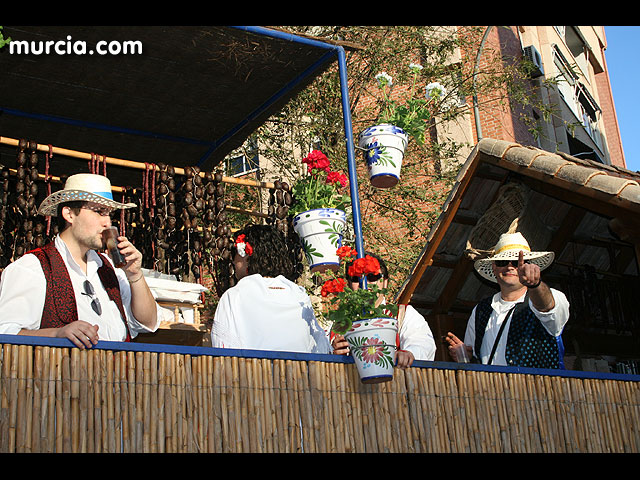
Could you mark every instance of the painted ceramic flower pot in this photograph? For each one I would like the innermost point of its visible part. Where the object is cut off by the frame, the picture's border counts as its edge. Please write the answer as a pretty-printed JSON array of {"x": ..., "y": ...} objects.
[
  {"x": 373, "y": 347},
  {"x": 384, "y": 147},
  {"x": 320, "y": 231}
]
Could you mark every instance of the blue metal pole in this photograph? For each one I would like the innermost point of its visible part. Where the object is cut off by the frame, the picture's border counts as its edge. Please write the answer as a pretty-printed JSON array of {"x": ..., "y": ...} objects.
[
  {"x": 291, "y": 37},
  {"x": 346, "y": 113},
  {"x": 348, "y": 130}
]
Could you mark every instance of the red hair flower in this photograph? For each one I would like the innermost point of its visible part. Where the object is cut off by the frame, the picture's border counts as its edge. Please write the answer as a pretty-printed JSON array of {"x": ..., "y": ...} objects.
[{"x": 243, "y": 247}]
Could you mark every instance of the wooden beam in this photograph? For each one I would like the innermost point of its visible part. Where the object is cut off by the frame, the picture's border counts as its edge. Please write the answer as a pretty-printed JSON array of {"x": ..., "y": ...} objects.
[
  {"x": 128, "y": 163},
  {"x": 440, "y": 228},
  {"x": 628, "y": 229},
  {"x": 450, "y": 291}
]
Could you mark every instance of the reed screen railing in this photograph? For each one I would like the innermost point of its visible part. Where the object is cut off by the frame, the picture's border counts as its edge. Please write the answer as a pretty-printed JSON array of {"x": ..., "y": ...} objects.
[{"x": 139, "y": 398}]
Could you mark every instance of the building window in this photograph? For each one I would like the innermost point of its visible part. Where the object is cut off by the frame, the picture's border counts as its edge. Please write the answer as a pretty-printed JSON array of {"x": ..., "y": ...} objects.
[
  {"x": 245, "y": 162},
  {"x": 577, "y": 47},
  {"x": 578, "y": 99},
  {"x": 241, "y": 165},
  {"x": 566, "y": 82}
]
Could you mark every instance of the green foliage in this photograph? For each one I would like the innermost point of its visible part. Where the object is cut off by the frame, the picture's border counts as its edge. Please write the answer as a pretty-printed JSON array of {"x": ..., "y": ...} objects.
[
  {"x": 4, "y": 41},
  {"x": 314, "y": 119},
  {"x": 411, "y": 117},
  {"x": 350, "y": 305},
  {"x": 411, "y": 113},
  {"x": 311, "y": 192}
]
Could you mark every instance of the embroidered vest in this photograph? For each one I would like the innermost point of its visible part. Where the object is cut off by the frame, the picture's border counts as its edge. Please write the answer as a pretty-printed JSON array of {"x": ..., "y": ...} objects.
[
  {"x": 60, "y": 307},
  {"x": 528, "y": 342}
]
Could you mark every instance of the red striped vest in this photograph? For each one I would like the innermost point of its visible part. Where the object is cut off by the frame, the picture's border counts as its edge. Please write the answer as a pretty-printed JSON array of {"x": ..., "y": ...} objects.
[{"x": 60, "y": 307}]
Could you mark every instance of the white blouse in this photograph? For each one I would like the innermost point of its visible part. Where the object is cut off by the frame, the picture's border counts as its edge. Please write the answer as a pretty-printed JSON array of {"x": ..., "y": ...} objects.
[
  {"x": 23, "y": 289},
  {"x": 416, "y": 336},
  {"x": 261, "y": 313}
]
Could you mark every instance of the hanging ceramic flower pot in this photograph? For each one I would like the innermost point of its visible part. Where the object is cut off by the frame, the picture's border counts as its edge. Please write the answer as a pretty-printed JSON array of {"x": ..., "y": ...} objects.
[
  {"x": 320, "y": 231},
  {"x": 384, "y": 147},
  {"x": 372, "y": 343}
]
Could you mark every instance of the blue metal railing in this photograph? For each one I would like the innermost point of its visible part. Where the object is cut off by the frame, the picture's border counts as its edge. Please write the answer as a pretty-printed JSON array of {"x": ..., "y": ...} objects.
[{"x": 305, "y": 357}]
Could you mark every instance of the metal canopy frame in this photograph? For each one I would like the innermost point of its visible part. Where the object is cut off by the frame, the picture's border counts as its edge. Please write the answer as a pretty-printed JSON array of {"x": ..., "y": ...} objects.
[{"x": 332, "y": 50}]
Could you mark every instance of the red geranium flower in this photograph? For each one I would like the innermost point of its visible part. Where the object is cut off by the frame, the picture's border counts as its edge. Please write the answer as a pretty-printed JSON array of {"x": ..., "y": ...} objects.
[
  {"x": 371, "y": 265},
  {"x": 333, "y": 286},
  {"x": 316, "y": 160},
  {"x": 364, "y": 266},
  {"x": 346, "y": 251},
  {"x": 341, "y": 178},
  {"x": 320, "y": 187}
]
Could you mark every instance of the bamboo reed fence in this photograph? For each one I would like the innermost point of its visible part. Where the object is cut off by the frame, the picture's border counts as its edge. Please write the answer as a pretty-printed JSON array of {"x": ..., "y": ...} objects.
[{"x": 62, "y": 399}]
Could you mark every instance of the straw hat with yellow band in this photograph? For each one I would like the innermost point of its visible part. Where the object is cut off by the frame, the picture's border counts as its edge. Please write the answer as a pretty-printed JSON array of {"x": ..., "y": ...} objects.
[
  {"x": 87, "y": 187},
  {"x": 509, "y": 247}
]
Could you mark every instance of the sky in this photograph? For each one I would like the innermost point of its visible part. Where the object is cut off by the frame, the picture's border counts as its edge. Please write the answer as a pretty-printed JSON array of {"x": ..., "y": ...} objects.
[{"x": 623, "y": 60}]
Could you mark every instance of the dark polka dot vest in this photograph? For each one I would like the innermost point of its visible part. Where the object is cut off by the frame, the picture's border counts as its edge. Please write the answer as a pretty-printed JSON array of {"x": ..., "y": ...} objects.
[
  {"x": 60, "y": 306},
  {"x": 528, "y": 342}
]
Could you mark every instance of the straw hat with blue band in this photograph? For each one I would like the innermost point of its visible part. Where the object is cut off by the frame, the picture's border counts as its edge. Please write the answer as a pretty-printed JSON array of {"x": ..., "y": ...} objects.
[
  {"x": 509, "y": 247},
  {"x": 83, "y": 187}
]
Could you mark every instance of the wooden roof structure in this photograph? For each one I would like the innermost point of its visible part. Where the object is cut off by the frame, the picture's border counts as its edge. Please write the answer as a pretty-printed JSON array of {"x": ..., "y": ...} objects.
[{"x": 586, "y": 212}]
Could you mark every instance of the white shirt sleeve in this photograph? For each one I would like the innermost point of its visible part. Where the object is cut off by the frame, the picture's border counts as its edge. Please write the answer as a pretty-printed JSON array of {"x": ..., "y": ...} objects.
[
  {"x": 135, "y": 326},
  {"x": 320, "y": 341},
  {"x": 416, "y": 336},
  {"x": 555, "y": 319},
  {"x": 470, "y": 332},
  {"x": 22, "y": 294}
]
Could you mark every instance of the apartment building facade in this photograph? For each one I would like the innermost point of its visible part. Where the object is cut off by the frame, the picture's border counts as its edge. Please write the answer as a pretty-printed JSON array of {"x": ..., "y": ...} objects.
[
  {"x": 569, "y": 73},
  {"x": 572, "y": 60}
]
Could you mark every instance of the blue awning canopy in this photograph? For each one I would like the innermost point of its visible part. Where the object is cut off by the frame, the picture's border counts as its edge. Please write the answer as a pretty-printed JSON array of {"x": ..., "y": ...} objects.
[{"x": 194, "y": 94}]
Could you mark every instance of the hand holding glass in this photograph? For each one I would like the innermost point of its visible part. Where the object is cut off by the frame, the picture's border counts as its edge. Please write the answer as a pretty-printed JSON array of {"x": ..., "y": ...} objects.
[
  {"x": 461, "y": 354},
  {"x": 110, "y": 241}
]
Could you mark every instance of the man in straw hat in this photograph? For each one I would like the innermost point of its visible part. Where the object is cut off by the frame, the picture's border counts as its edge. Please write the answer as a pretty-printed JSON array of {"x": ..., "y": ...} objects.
[
  {"x": 521, "y": 324},
  {"x": 66, "y": 288}
]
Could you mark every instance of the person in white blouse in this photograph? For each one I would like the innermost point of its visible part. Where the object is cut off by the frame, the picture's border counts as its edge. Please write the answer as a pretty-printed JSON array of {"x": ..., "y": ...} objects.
[
  {"x": 522, "y": 323},
  {"x": 65, "y": 296},
  {"x": 266, "y": 310},
  {"x": 415, "y": 336}
]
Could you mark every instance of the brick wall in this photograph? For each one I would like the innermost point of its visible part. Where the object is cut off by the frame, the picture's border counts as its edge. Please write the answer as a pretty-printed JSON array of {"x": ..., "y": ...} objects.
[
  {"x": 499, "y": 119},
  {"x": 609, "y": 118}
]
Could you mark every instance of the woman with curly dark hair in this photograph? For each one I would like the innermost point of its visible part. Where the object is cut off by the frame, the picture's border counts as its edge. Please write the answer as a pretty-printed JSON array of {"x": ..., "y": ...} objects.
[{"x": 266, "y": 310}]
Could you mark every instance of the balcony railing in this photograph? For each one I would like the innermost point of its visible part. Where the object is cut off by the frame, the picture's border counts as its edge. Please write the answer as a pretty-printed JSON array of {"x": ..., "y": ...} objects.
[{"x": 122, "y": 397}]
